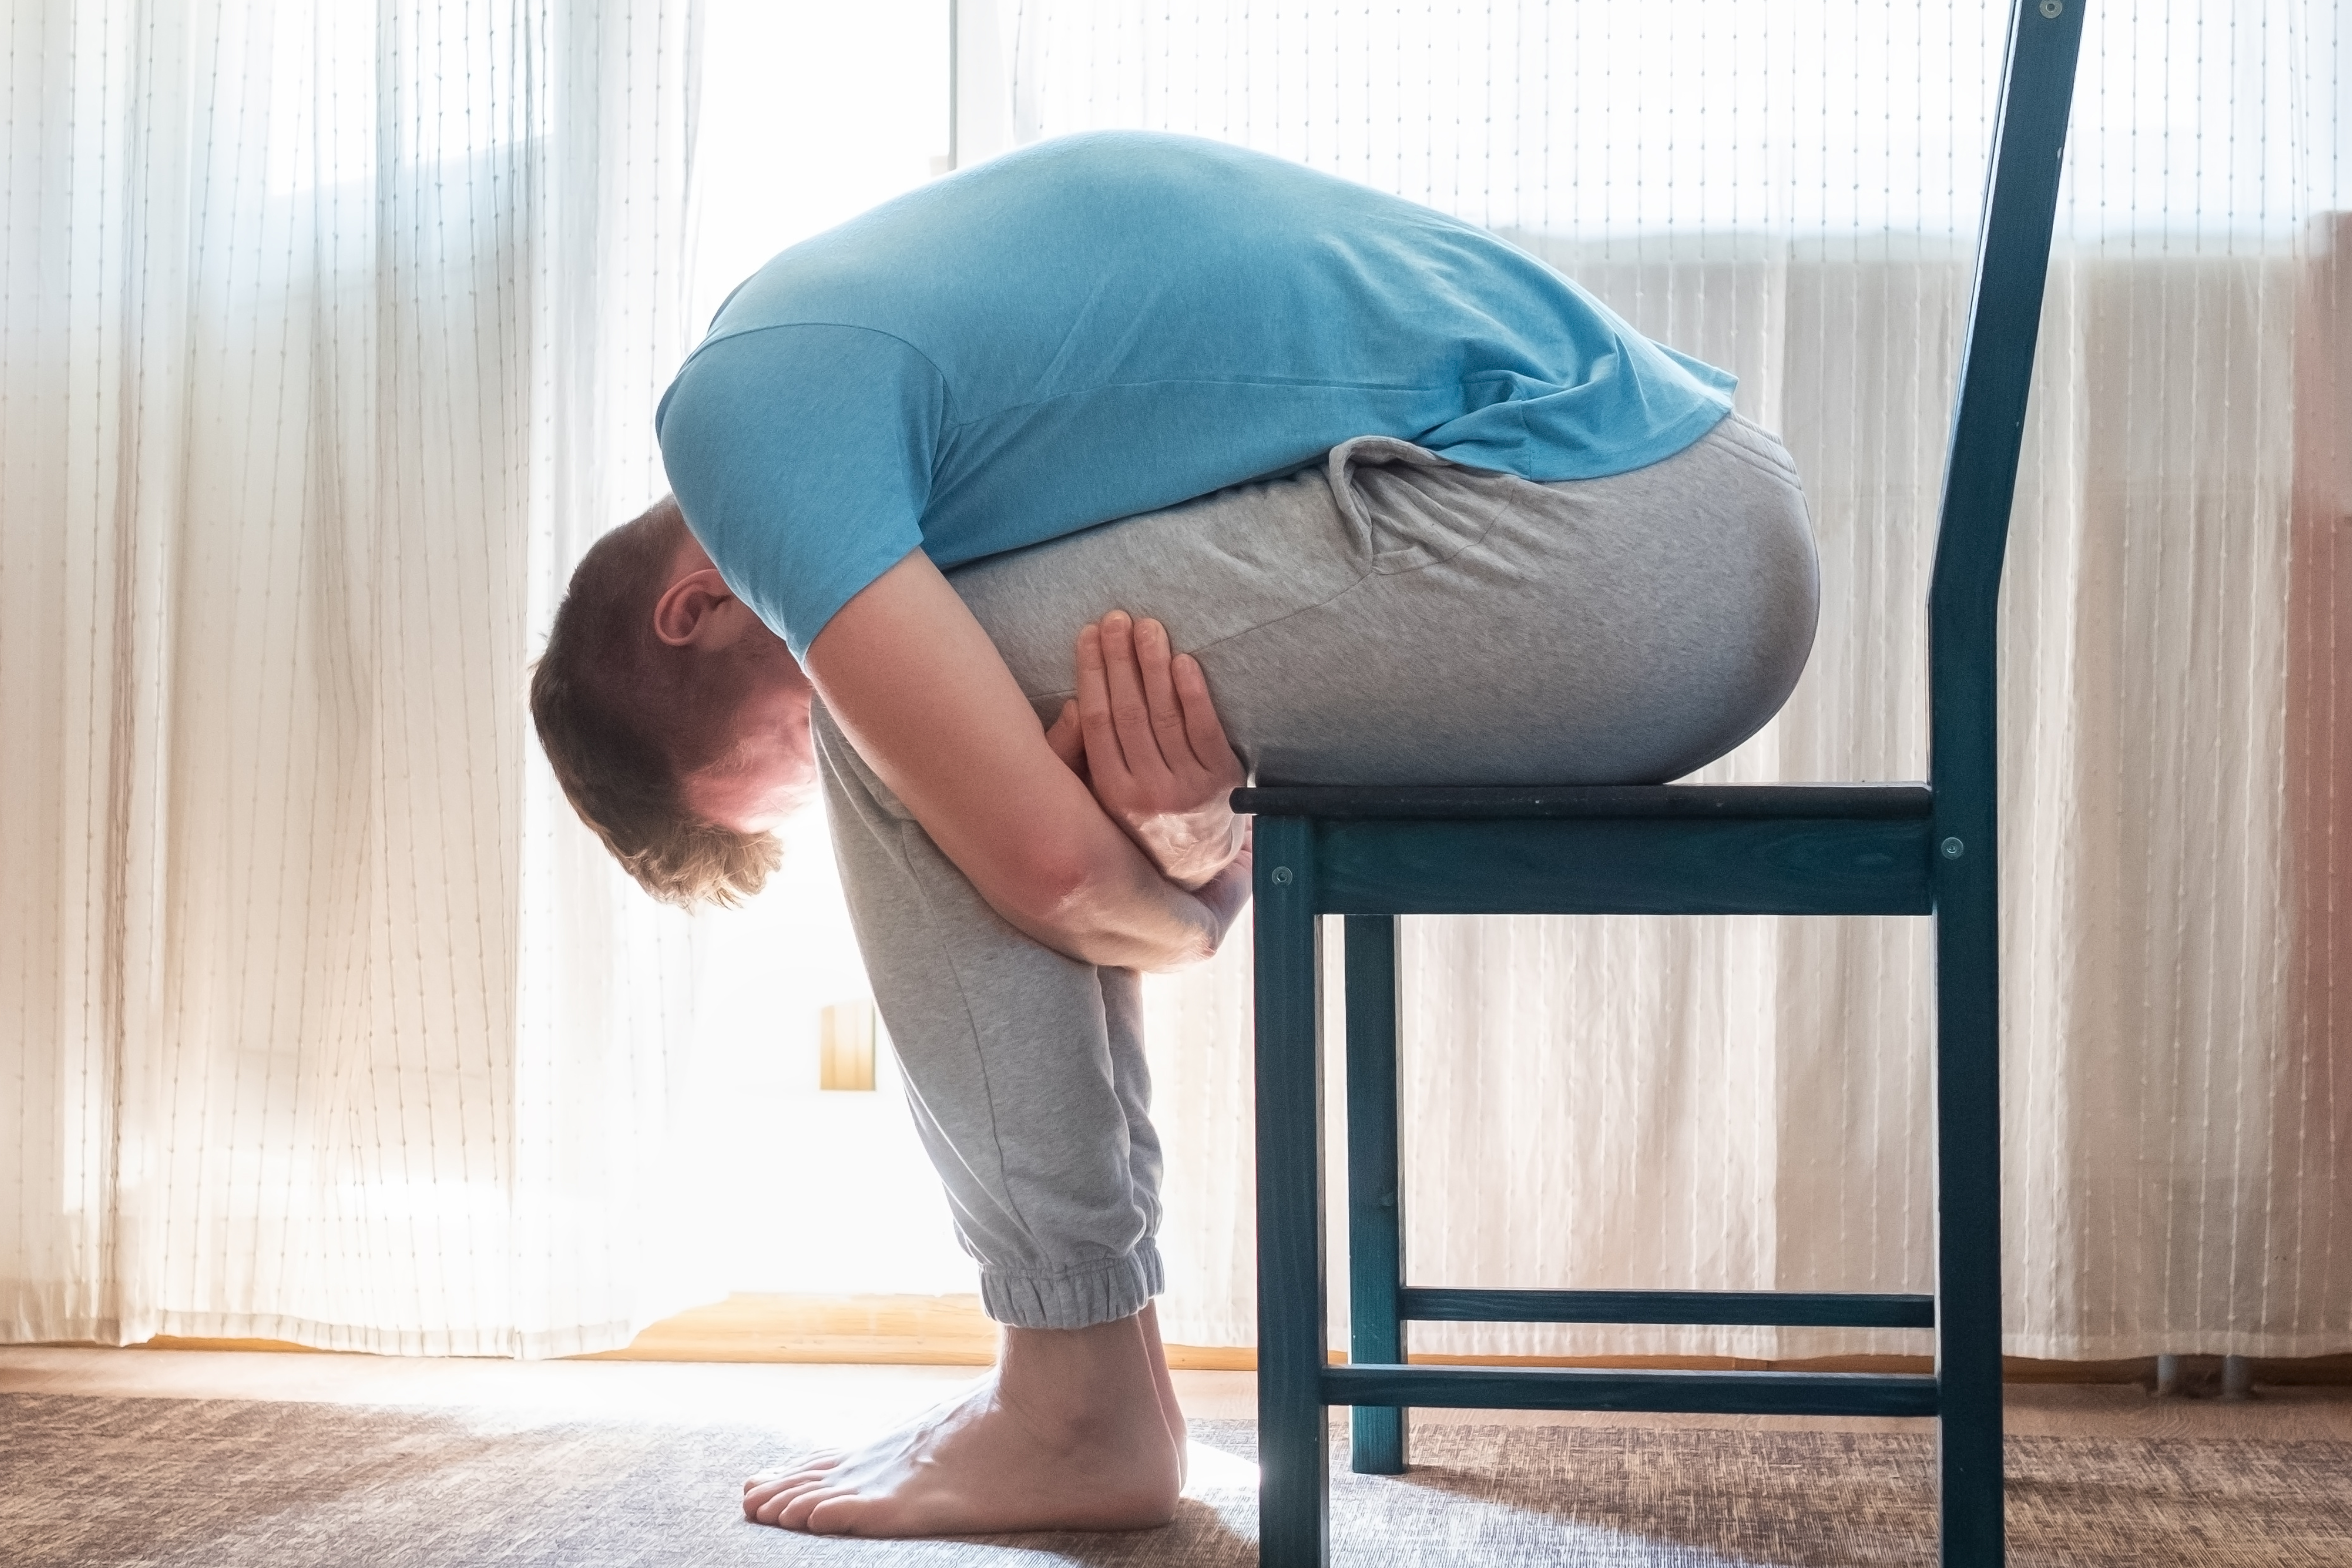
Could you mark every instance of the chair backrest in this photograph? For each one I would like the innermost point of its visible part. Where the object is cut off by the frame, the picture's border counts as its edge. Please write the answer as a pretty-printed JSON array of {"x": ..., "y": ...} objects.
[{"x": 1989, "y": 417}]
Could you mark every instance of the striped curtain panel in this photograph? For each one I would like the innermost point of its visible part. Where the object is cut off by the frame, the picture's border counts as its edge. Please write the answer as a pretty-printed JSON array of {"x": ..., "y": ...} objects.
[{"x": 331, "y": 333}]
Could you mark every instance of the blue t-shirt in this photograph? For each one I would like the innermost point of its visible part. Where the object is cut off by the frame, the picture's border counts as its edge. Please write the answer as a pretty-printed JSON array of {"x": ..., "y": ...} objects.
[{"x": 1107, "y": 324}]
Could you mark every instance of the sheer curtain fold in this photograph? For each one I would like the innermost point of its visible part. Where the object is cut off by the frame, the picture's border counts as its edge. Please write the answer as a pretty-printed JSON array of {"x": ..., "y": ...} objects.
[{"x": 331, "y": 331}]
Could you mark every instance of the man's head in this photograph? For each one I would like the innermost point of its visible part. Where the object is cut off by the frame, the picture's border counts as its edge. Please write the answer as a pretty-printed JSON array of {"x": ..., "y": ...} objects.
[{"x": 677, "y": 721}]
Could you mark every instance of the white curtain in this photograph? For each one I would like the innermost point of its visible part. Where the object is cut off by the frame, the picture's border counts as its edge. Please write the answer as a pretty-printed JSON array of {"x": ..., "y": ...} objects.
[{"x": 328, "y": 337}]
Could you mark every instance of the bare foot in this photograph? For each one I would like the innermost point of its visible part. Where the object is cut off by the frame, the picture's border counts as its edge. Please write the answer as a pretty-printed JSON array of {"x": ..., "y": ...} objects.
[{"x": 1070, "y": 1433}]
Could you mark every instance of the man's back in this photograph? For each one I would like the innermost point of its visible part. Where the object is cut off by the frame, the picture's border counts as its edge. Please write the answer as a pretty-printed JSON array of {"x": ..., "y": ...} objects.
[{"x": 1105, "y": 325}]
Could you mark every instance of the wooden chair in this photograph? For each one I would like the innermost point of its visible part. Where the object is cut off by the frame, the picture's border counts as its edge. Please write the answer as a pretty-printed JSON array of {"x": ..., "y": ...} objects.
[{"x": 1370, "y": 854}]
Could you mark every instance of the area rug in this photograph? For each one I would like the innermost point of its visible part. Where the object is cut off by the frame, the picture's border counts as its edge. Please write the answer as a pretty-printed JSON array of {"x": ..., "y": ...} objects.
[{"x": 163, "y": 1483}]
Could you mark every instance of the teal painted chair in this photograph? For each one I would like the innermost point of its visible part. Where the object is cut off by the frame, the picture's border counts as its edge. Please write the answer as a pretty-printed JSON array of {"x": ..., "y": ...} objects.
[{"x": 1370, "y": 854}]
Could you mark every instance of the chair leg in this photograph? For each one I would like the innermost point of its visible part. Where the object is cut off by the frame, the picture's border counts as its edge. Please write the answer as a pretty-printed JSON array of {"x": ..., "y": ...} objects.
[
  {"x": 1294, "y": 1455},
  {"x": 1375, "y": 1213},
  {"x": 1968, "y": 1217}
]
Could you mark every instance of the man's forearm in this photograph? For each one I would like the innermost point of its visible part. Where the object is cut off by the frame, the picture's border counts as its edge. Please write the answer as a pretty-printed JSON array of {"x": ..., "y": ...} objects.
[{"x": 921, "y": 693}]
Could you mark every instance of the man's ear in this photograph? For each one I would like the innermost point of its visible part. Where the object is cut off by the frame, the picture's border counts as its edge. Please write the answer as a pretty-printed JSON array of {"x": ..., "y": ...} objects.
[{"x": 685, "y": 615}]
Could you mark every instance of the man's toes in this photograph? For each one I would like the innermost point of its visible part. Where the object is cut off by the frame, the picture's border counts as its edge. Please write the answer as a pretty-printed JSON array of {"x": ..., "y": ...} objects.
[
  {"x": 811, "y": 1464},
  {"x": 793, "y": 1512},
  {"x": 759, "y": 1489},
  {"x": 771, "y": 1481},
  {"x": 846, "y": 1512},
  {"x": 762, "y": 1502},
  {"x": 766, "y": 1505}
]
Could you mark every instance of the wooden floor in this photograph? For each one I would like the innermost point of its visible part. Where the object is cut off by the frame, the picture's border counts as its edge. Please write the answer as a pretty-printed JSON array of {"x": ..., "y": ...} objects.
[{"x": 853, "y": 1398}]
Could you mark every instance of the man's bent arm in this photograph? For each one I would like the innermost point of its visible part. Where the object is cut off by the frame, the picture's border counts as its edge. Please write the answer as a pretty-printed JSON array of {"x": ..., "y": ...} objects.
[{"x": 914, "y": 682}]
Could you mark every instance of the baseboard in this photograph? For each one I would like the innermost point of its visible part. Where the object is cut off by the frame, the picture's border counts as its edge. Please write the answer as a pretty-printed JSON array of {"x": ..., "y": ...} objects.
[
  {"x": 926, "y": 1331},
  {"x": 951, "y": 1331}
]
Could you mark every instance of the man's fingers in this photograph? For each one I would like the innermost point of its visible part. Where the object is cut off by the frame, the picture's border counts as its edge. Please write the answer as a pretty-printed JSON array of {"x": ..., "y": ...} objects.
[
  {"x": 1130, "y": 712},
  {"x": 1151, "y": 658},
  {"x": 1105, "y": 760},
  {"x": 1204, "y": 733}
]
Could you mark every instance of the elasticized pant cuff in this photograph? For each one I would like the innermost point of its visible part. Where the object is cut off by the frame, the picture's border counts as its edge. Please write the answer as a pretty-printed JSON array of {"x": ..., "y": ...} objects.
[{"x": 1098, "y": 1293}]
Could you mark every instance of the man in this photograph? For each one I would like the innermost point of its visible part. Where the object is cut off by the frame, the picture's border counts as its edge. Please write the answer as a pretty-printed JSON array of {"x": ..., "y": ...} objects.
[{"x": 1415, "y": 509}]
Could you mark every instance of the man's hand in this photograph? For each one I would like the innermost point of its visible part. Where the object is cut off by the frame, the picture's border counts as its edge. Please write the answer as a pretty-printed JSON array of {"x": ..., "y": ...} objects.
[
  {"x": 1155, "y": 754},
  {"x": 914, "y": 682}
]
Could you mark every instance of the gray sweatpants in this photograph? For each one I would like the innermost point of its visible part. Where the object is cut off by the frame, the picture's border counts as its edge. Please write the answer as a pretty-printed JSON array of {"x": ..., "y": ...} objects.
[{"x": 1384, "y": 617}]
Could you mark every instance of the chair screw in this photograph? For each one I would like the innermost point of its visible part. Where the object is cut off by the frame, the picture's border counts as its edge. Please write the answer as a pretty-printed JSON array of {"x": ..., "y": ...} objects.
[
  {"x": 1953, "y": 848},
  {"x": 2054, "y": 9},
  {"x": 1282, "y": 873}
]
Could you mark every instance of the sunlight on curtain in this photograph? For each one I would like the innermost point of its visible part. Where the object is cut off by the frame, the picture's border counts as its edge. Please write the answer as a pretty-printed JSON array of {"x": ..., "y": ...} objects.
[
  {"x": 331, "y": 339},
  {"x": 329, "y": 331},
  {"x": 1789, "y": 188}
]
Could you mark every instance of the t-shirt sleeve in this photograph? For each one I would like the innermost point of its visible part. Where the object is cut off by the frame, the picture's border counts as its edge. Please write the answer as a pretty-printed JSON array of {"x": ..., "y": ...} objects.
[{"x": 801, "y": 458}]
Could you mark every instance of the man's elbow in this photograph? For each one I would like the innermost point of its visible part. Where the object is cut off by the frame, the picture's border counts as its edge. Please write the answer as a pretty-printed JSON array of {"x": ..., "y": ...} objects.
[{"x": 1052, "y": 894}]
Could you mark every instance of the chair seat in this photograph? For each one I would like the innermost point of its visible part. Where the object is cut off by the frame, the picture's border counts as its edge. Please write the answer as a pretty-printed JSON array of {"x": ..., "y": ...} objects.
[{"x": 1613, "y": 848}]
